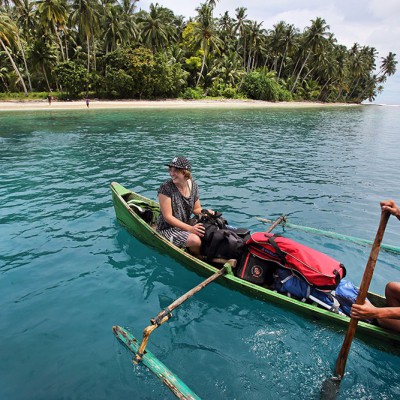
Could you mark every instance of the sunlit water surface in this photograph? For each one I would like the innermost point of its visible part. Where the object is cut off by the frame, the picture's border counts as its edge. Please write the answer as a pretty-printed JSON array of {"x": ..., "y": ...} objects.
[{"x": 69, "y": 271}]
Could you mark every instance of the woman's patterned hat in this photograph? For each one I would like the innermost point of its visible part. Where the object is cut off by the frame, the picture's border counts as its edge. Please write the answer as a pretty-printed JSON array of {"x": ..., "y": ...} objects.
[{"x": 180, "y": 162}]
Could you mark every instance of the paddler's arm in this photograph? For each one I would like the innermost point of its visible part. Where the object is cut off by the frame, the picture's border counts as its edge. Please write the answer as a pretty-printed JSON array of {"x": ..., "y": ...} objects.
[
  {"x": 387, "y": 317},
  {"x": 367, "y": 311}
]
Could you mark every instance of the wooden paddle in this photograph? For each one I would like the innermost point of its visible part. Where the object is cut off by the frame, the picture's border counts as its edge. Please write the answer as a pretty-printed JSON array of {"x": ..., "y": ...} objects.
[{"x": 330, "y": 387}]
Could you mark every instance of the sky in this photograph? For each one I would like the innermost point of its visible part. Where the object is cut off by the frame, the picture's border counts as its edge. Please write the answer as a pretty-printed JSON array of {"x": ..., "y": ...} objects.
[{"x": 374, "y": 23}]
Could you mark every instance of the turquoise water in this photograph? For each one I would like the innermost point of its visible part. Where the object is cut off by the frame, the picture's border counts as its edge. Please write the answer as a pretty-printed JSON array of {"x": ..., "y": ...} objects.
[{"x": 69, "y": 271}]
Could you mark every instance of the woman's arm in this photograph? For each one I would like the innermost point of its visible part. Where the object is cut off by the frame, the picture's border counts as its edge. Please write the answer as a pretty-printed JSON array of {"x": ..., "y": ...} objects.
[
  {"x": 166, "y": 211},
  {"x": 197, "y": 207}
]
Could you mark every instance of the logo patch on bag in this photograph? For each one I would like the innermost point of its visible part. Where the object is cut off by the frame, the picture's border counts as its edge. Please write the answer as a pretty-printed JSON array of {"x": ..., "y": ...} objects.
[{"x": 256, "y": 271}]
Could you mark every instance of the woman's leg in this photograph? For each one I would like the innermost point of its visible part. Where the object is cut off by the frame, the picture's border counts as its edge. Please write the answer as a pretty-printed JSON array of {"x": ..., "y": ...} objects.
[
  {"x": 182, "y": 238},
  {"x": 193, "y": 244}
]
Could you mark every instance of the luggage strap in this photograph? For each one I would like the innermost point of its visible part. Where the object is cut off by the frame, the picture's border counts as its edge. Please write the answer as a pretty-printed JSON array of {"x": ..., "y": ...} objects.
[{"x": 278, "y": 251}]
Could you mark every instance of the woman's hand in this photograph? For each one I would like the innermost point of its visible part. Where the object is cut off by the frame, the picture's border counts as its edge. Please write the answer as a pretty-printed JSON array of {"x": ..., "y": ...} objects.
[{"x": 198, "y": 230}]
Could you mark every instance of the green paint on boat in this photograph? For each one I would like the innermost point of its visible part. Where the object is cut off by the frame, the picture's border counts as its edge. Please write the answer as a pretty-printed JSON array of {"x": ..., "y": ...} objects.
[{"x": 145, "y": 233}]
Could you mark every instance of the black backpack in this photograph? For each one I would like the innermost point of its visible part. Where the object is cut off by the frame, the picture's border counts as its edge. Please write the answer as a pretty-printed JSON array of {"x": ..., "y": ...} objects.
[
  {"x": 223, "y": 243},
  {"x": 219, "y": 241}
]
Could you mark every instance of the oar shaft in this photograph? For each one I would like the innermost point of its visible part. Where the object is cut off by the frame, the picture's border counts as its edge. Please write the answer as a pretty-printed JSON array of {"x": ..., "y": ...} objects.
[
  {"x": 193, "y": 291},
  {"x": 165, "y": 314},
  {"x": 276, "y": 223},
  {"x": 362, "y": 294}
]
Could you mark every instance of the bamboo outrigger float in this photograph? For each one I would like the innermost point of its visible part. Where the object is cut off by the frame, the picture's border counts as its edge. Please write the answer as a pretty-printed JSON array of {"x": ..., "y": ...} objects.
[
  {"x": 178, "y": 388},
  {"x": 145, "y": 233}
]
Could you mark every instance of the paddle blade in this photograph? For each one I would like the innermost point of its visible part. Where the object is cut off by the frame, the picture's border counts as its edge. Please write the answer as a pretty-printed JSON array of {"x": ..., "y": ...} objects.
[{"x": 330, "y": 389}]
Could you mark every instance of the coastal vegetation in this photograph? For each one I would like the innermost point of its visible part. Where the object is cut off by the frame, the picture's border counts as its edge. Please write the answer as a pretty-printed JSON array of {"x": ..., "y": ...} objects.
[{"x": 113, "y": 49}]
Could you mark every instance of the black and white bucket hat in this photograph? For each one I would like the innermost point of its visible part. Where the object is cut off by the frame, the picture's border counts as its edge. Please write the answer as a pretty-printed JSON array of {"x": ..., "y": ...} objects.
[{"x": 180, "y": 162}]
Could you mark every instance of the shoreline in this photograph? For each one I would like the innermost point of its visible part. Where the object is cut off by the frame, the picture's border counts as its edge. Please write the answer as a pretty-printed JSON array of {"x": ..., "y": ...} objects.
[{"x": 21, "y": 105}]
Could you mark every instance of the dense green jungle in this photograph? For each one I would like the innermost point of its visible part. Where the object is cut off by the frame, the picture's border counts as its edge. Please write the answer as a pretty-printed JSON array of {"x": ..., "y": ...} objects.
[{"x": 113, "y": 49}]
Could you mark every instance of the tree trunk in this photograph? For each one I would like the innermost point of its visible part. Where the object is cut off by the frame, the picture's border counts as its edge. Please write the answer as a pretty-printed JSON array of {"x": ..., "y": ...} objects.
[
  {"x": 26, "y": 65},
  {"x": 354, "y": 88},
  {"x": 59, "y": 42},
  {"x": 88, "y": 53},
  {"x": 45, "y": 77},
  {"x": 202, "y": 67},
  {"x": 66, "y": 46},
  {"x": 283, "y": 59},
  {"x": 14, "y": 67},
  {"x": 301, "y": 69}
]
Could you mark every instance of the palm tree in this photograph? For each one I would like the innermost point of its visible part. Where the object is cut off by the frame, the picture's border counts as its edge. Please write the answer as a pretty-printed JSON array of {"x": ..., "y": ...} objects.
[
  {"x": 23, "y": 16},
  {"x": 314, "y": 39},
  {"x": 211, "y": 3},
  {"x": 205, "y": 34},
  {"x": 275, "y": 39},
  {"x": 227, "y": 31},
  {"x": 240, "y": 28},
  {"x": 43, "y": 55},
  {"x": 25, "y": 13},
  {"x": 112, "y": 25},
  {"x": 156, "y": 27},
  {"x": 128, "y": 20},
  {"x": 388, "y": 66},
  {"x": 8, "y": 36},
  {"x": 228, "y": 69},
  {"x": 289, "y": 42},
  {"x": 86, "y": 15},
  {"x": 53, "y": 13},
  {"x": 256, "y": 43},
  {"x": 362, "y": 64}
]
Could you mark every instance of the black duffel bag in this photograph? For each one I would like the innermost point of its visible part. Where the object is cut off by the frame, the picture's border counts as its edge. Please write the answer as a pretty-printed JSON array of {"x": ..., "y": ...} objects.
[{"x": 219, "y": 241}]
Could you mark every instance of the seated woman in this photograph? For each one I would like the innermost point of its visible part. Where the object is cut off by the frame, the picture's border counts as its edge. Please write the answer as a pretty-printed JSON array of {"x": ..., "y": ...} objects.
[{"x": 179, "y": 199}]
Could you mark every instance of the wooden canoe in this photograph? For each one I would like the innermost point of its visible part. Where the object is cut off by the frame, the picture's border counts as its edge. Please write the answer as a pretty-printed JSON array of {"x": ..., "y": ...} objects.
[{"x": 148, "y": 235}]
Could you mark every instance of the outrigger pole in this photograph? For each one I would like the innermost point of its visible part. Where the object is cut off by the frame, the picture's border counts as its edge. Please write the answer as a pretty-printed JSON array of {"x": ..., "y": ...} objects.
[
  {"x": 286, "y": 224},
  {"x": 141, "y": 354},
  {"x": 178, "y": 387},
  {"x": 166, "y": 314}
]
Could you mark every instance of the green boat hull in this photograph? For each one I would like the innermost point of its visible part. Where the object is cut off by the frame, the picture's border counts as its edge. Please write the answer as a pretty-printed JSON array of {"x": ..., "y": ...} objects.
[{"x": 145, "y": 233}]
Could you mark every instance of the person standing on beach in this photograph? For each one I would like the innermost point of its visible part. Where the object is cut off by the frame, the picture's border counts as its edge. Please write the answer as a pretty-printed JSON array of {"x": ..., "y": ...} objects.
[
  {"x": 87, "y": 102},
  {"x": 49, "y": 99},
  {"x": 389, "y": 316}
]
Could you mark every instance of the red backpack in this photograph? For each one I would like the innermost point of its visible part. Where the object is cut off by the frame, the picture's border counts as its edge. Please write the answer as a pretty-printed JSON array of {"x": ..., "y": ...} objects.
[{"x": 318, "y": 269}]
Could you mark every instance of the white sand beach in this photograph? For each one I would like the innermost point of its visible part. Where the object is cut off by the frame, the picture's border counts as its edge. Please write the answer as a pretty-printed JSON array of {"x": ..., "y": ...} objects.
[{"x": 164, "y": 104}]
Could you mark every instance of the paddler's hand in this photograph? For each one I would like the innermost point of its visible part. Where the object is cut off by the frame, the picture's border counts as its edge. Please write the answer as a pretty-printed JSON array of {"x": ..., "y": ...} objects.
[
  {"x": 364, "y": 311},
  {"x": 198, "y": 230}
]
